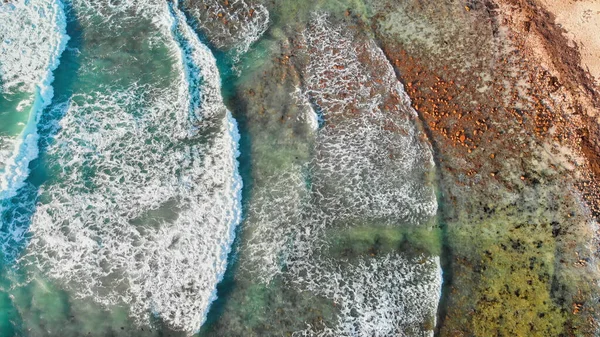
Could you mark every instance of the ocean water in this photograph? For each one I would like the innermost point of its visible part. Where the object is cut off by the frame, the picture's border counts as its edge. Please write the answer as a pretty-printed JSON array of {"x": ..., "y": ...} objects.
[
  {"x": 146, "y": 193},
  {"x": 342, "y": 189},
  {"x": 33, "y": 37}
]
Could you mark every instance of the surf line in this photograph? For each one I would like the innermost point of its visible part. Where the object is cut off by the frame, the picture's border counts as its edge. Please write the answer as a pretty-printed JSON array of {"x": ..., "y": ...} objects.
[
  {"x": 26, "y": 148},
  {"x": 205, "y": 103}
]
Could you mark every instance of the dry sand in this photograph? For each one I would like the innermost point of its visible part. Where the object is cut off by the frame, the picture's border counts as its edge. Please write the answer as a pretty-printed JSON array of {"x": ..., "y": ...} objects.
[{"x": 581, "y": 20}]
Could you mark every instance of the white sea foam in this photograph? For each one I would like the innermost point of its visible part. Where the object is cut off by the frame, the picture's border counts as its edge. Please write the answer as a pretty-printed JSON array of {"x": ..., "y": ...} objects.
[
  {"x": 309, "y": 115},
  {"x": 7, "y": 145},
  {"x": 139, "y": 217},
  {"x": 13, "y": 227},
  {"x": 274, "y": 218},
  {"x": 376, "y": 296},
  {"x": 390, "y": 295},
  {"x": 370, "y": 163},
  {"x": 141, "y": 212},
  {"x": 198, "y": 70},
  {"x": 32, "y": 38},
  {"x": 110, "y": 14},
  {"x": 369, "y": 167}
]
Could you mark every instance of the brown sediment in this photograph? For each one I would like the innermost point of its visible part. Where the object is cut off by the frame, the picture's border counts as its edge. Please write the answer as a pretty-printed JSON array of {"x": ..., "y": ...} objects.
[{"x": 515, "y": 159}]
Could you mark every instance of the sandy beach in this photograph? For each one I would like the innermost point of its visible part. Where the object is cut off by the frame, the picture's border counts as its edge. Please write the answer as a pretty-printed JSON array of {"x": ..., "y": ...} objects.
[{"x": 581, "y": 21}]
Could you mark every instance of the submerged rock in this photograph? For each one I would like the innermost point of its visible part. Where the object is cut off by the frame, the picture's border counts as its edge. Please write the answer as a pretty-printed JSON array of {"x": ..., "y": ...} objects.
[{"x": 229, "y": 25}]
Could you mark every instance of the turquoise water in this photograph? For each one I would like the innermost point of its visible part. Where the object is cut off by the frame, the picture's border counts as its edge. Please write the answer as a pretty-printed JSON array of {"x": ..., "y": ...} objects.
[{"x": 167, "y": 168}]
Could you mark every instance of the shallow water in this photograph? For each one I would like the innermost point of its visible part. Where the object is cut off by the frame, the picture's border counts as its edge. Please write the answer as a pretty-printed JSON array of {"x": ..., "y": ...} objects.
[
  {"x": 236, "y": 168},
  {"x": 126, "y": 220}
]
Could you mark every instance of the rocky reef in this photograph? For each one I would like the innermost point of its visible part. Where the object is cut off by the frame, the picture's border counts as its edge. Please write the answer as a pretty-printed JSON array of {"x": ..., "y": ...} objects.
[
  {"x": 495, "y": 93},
  {"x": 511, "y": 115}
]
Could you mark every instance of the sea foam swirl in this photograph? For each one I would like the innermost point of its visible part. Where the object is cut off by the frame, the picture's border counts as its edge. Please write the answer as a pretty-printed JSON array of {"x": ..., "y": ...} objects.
[{"x": 145, "y": 198}]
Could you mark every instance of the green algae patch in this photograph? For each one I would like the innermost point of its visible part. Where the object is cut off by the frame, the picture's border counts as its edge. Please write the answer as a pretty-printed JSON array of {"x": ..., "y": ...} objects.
[{"x": 511, "y": 268}]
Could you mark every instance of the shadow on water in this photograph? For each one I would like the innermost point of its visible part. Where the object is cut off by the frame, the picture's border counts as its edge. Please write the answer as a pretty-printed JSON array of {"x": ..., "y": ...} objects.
[
  {"x": 237, "y": 107},
  {"x": 228, "y": 284}
]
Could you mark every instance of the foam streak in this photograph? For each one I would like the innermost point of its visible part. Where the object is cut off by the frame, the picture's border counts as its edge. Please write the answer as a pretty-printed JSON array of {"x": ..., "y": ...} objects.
[{"x": 41, "y": 38}]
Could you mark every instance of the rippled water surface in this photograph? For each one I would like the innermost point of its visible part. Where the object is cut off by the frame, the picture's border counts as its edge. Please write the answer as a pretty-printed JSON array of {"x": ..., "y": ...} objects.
[{"x": 213, "y": 168}]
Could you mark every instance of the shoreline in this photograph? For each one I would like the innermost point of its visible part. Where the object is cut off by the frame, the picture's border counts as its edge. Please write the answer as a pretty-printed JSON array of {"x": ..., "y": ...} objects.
[
  {"x": 516, "y": 133},
  {"x": 581, "y": 22}
]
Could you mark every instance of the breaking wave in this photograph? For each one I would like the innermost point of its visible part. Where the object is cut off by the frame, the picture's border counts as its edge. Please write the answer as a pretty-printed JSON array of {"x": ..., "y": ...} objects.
[
  {"x": 32, "y": 38},
  {"x": 145, "y": 193},
  {"x": 198, "y": 70}
]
